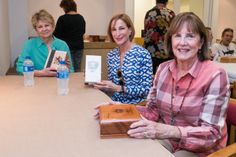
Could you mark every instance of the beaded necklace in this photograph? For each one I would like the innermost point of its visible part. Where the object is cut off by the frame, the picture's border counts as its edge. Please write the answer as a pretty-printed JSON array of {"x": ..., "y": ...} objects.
[{"x": 174, "y": 114}]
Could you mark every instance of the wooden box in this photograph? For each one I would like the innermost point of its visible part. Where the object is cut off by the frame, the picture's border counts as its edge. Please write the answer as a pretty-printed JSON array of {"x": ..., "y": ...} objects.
[{"x": 115, "y": 120}]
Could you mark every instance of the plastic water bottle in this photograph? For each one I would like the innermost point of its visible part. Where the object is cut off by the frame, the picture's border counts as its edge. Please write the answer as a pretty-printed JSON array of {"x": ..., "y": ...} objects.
[
  {"x": 28, "y": 71},
  {"x": 62, "y": 79}
]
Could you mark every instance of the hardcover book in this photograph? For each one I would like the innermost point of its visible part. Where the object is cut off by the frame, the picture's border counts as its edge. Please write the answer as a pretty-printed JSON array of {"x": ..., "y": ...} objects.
[
  {"x": 54, "y": 58},
  {"x": 115, "y": 120}
]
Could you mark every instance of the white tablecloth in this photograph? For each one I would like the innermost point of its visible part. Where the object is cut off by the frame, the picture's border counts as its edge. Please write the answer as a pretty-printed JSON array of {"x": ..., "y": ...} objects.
[
  {"x": 230, "y": 68},
  {"x": 36, "y": 122}
]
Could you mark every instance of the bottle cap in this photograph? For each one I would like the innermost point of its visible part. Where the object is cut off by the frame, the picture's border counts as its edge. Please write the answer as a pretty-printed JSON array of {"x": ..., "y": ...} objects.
[
  {"x": 62, "y": 62},
  {"x": 27, "y": 57}
]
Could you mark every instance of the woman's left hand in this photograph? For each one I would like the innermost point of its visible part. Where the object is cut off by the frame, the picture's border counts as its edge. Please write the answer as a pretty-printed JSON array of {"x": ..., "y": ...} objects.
[
  {"x": 153, "y": 130},
  {"x": 96, "y": 115},
  {"x": 107, "y": 86},
  {"x": 67, "y": 61}
]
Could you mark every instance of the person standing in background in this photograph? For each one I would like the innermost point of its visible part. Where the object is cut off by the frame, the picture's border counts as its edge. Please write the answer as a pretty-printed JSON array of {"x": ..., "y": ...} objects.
[
  {"x": 70, "y": 27},
  {"x": 156, "y": 23}
]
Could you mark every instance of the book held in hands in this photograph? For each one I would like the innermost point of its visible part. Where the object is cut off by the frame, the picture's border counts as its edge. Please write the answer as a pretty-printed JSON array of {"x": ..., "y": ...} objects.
[
  {"x": 93, "y": 68},
  {"x": 54, "y": 58},
  {"x": 115, "y": 120}
]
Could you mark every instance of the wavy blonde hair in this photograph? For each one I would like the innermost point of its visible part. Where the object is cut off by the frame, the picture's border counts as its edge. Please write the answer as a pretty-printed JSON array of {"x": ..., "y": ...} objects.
[{"x": 44, "y": 16}]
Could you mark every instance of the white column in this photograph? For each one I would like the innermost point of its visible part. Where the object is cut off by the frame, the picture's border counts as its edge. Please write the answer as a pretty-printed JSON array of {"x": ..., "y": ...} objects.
[
  {"x": 129, "y": 8},
  {"x": 17, "y": 26},
  {"x": 4, "y": 38},
  {"x": 215, "y": 16},
  {"x": 176, "y": 8},
  {"x": 208, "y": 12}
]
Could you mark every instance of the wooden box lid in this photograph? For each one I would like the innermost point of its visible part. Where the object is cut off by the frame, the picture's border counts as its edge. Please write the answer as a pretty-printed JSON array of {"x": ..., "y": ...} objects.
[{"x": 115, "y": 120}]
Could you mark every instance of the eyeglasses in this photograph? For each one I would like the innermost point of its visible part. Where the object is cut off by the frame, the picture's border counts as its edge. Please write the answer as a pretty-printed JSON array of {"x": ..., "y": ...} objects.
[{"x": 121, "y": 80}]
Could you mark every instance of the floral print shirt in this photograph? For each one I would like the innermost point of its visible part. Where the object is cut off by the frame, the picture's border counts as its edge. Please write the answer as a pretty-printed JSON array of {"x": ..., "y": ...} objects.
[{"x": 155, "y": 25}]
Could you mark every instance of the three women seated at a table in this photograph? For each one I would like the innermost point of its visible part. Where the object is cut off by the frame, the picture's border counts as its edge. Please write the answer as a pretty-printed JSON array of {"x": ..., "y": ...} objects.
[{"x": 186, "y": 106}]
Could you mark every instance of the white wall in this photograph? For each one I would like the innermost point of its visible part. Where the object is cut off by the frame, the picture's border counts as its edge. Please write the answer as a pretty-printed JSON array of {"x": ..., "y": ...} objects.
[
  {"x": 140, "y": 9},
  {"x": 119, "y": 6},
  {"x": 18, "y": 26},
  {"x": 226, "y": 17},
  {"x": 197, "y": 7},
  {"x": 96, "y": 13},
  {"x": 4, "y": 38}
]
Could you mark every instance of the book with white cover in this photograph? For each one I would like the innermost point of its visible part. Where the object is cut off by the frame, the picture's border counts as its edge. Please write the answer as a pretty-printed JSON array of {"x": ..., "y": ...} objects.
[
  {"x": 93, "y": 68},
  {"x": 54, "y": 58}
]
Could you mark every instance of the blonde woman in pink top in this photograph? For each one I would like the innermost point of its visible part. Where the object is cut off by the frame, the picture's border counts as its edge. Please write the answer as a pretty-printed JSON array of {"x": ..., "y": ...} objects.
[{"x": 187, "y": 104}]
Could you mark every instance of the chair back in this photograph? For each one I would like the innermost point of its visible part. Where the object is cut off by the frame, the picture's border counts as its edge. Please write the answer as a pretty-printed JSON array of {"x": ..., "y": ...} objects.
[
  {"x": 139, "y": 41},
  {"x": 231, "y": 114},
  {"x": 233, "y": 90},
  {"x": 229, "y": 59},
  {"x": 229, "y": 151}
]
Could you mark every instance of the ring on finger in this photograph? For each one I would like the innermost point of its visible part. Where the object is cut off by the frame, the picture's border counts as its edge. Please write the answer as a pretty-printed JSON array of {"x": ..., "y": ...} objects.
[{"x": 146, "y": 134}]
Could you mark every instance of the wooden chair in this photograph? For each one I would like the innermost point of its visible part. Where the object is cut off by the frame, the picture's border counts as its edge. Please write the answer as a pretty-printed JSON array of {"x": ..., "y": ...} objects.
[
  {"x": 231, "y": 120},
  {"x": 139, "y": 41},
  {"x": 233, "y": 90},
  {"x": 228, "y": 59},
  {"x": 229, "y": 151}
]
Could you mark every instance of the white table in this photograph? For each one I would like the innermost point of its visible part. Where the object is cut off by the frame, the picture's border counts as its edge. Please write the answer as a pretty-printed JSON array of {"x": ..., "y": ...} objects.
[
  {"x": 36, "y": 122},
  {"x": 230, "y": 68}
]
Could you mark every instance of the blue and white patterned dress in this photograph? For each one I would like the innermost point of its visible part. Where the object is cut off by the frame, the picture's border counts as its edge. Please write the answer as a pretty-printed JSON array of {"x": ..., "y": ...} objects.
[{"x": 136, "y": 72}]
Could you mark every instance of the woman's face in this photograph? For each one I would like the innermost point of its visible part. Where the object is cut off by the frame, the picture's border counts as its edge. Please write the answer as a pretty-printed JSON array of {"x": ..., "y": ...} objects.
[
  {"x": 120, "y": 32},
  {"x": 44, "y": 29},
  {"x": 186, "y": 44}
]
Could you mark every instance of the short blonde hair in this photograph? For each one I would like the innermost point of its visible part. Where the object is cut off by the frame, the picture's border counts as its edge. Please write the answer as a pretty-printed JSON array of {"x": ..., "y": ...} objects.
[
  {"x": 44, "y": 16},
  {"x": 126, "y": 20}
]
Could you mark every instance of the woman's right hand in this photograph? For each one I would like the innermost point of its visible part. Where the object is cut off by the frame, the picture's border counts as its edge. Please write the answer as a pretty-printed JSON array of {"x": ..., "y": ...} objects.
[
  {"x": 96, "y": 115},
  {"x": 108, "y": 86},
  {"x": 51, "y": 72},
  {"x": 153, "y": 130}
]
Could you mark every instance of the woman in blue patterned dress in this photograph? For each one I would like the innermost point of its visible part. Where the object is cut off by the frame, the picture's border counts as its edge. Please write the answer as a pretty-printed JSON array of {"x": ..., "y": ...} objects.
[{"x": 129, "y": 65}]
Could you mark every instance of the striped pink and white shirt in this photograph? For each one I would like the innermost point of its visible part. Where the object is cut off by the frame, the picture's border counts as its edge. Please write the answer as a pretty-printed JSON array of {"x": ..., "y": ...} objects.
[{"x": 201, "y": 120}]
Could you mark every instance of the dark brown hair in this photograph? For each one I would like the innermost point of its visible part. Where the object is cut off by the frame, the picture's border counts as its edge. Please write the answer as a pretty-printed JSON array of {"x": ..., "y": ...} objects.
[
  {"x": 162, "y": 1},
  {"x": 227, "y": 30},
  {"x": 126, "y": 20},
  {"x": 194, "y": 25},
  {"x": 68, "y": 5}
]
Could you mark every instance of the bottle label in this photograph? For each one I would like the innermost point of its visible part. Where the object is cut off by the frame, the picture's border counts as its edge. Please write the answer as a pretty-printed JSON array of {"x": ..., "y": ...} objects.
[
  {"x": 63, "y": 75},
  {"x": 28, "y": 68}
]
